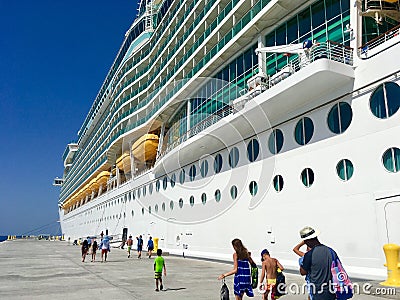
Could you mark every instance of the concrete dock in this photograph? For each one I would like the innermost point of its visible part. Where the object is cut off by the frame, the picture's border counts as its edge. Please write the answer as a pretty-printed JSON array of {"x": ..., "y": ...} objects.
[{"x": 32, "y": 269}]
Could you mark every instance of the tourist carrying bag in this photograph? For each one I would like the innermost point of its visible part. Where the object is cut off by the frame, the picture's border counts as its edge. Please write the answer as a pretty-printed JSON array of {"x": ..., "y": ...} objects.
[
  {"x": 254, "y": 273},
  {"x": 280, "y": 287},
  {"x": 341, "y": 282},
  {"x": 224, "y": 291}
]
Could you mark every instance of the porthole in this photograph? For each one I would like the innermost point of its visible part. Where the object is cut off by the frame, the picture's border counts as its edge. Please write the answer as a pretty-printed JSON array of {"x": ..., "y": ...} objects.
[
  {"x": 180, "y": 202},
  {"x": 165, "y": 182},
  {"x": 385, "y": 100},
  {"x": 182, "y": 176},
  {"x": 278, "y": 183},
  {"x": 233, "y": 157},
  {"x": 204, "y": 168},
  {"x": 173, "y": 180},
  {"x": 253, "y": 187},
  {"x": 391, "y": 160},
  {"x": 132, "y": 213},
  {"x": 191, "y": 200},
  {"x": 144, "y": 191},
  {"x": 234, "y": 192},
  {"x": 156, "y": 208},
  {"x": 163, "y": 206},
  {"x": 307, "y": 177},
  {"x": 275, "y": 141},
  {"x": 217, "y": 195},
  {"x": 157, "y": 185},
  {"x": 129, "y": 197},
  {"x": 138, "y": 193},
  {"x": 339, "y": 117},
  {"x": 149, "y": 209},
  {"x": 133, "y": 194},
  {"x": 192, "y": 172},
  {"x": 171, "y": 205},
  {"x": 345, "y": 169},
  {"x": 203, "y": 198},
  {"x": 304, "y": 131},
  {"x": 151, "y": 188},
  {"x": 218, "y": 163},
  {"x": 253, "y": 149}
]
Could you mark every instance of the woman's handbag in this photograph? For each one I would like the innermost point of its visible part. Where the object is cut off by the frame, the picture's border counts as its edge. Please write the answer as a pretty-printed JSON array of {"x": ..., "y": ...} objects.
[
  {"x": 341, "y": 282},
  {"x": 224, "y": 291}
]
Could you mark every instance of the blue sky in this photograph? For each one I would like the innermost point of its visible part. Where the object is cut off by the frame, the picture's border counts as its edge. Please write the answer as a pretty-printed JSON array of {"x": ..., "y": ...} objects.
[{"x": 54, "y": 56}]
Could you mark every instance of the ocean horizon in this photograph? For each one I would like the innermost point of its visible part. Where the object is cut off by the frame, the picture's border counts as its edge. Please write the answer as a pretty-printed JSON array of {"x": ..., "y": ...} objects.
[{"x": 3, "y": 238}]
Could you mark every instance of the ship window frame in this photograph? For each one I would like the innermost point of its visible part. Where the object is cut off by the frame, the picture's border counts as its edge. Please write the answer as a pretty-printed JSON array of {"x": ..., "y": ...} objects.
[
  {"x": 345, "y": 169},
  {"x": 253, "y": 188},
  {"x": 382, "y": 103},
  {"x": 307, "y": 177},
  {"x": 234, "y": 192},
  {"x": 276, "y": 141},
  {"x": 393, "y": 154},
  {"x": 278, "y": 183},
  {"x": 204, "y": 168},
  {"x": 301, "y": 134},
  {"x": 253, "y": 150},
  {"x": 233, "y": 157},
  {"x": 218, "y": 163},
  {"x": 339, "y": 117}
]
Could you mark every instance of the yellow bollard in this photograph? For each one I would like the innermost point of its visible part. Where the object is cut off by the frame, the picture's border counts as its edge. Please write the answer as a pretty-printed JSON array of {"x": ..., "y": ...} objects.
[
  {"x": 392, "y": 252},
  {"x": 155, "y": 244},
  {"x": 8, "y": 237}
]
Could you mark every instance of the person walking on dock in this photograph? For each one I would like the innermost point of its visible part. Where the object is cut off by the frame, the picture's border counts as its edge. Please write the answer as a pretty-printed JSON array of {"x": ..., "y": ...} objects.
[
  {"x": 85, "y": 249},
  {"x": 317, "y": 265},
  {"x": 94, "y": 249},
  {"x": 159, "y": 265},
  {"x": 139, "y": 246},
  {"x": 270, "y": 266},
  {"x": 105, "y": 248},
  {"x": 150, "y": 247},
  {"x": 241, "y": 269},
  {"x": 129, "y": 243}
]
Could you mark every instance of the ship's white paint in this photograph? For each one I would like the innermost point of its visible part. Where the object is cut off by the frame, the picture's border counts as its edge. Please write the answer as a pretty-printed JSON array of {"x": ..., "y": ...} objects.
[{"x": 355, "y": 217}]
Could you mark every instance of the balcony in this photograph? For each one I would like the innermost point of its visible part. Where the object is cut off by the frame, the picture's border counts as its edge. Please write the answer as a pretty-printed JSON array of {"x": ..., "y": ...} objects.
[{"x": 329, "y": 64}]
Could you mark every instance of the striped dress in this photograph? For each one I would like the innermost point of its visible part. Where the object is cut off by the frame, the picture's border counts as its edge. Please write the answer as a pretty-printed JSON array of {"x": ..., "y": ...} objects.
[{"x": 242, "y": 280}]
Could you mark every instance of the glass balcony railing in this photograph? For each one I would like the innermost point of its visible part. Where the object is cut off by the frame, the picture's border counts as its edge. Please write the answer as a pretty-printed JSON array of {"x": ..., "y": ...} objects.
[{"x": 329, "y": 50}]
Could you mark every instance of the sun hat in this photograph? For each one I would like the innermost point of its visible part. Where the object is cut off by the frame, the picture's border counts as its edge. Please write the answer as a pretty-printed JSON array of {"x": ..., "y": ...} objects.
[{"x": 308, "y": 233}]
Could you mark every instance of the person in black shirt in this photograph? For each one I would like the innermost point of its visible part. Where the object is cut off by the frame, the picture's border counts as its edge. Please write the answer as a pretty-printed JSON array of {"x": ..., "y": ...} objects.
[{"x": 317, "y": 265}]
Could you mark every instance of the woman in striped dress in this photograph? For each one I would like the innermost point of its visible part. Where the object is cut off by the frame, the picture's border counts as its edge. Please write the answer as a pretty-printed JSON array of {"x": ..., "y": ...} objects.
[{"x": 241, "y": 269}]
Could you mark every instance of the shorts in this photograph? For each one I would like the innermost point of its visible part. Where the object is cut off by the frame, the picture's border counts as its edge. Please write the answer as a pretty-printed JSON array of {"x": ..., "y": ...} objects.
[
  {"x": 157, "y": 275},
  {"x": 139, "y": 248},
  {"x": 129, "y": 248},
  {"x": 103, "y": 251},
  {"x": 151, "y": 248},
  {"x": 270, "y": 284}
]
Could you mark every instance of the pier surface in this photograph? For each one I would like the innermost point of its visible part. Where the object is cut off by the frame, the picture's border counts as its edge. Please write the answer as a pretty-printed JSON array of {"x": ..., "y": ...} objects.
[{"x": 32, "y": 269}]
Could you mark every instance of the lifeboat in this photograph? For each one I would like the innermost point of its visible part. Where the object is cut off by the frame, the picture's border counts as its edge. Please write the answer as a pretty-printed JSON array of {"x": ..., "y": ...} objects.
[
  {"x": 124, "y": 162},
  {"x": 391, "y": 1},
  {"x": 102, "y": 178},
  {"x": 93, "y": 185},
  {"x": 145, "y": 148}
]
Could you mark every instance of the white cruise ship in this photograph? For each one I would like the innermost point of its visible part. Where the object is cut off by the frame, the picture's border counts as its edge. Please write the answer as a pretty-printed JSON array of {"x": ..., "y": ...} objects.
[{"x": 246, "y": 118}]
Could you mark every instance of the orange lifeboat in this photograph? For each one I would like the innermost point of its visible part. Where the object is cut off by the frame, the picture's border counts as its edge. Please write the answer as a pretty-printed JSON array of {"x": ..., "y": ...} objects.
[
  {"x": 145, "y": 148},
  {"x": 124, "y": 162},
  {"x": 102, "y": 178}
]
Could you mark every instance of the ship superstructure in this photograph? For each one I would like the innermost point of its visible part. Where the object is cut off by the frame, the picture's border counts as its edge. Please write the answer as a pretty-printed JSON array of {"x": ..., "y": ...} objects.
[{"x": 250, "y": 119}]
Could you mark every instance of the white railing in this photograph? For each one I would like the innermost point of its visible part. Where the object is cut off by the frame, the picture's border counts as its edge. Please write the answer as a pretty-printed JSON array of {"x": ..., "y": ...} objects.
[
  {"x": 388, "y": 35},
  {"x": 329, "y": 50}
]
